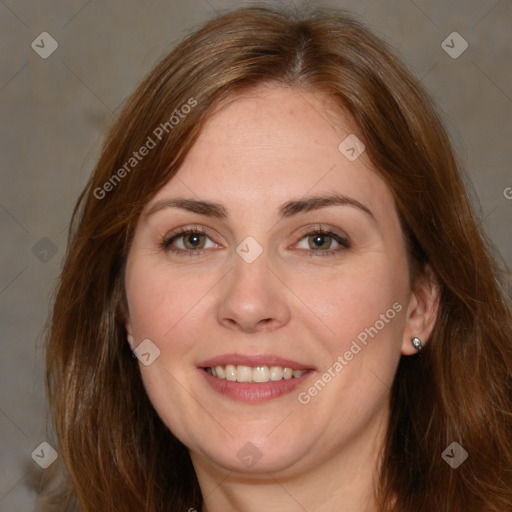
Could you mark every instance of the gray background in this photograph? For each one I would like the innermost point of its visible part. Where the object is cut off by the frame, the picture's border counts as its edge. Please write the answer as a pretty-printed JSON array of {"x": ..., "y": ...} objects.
[{"x": 54, "y": 113}]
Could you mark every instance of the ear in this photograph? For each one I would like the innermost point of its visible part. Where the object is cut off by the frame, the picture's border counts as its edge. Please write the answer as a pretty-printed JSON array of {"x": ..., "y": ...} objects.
[
  {"x": 422, "y": 310},
  {"x": 130, "y": 338},
  {"x": 129, "y": 332},
  {"x": 125, "y": 318}
]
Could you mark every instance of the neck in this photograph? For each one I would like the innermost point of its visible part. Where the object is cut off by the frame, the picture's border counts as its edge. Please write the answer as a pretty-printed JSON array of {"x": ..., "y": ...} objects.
[{"x": 344, "y": 480}]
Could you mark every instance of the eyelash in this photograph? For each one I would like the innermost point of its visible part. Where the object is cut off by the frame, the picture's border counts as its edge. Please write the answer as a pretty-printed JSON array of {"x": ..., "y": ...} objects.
[{"x": 344, "y": 243}]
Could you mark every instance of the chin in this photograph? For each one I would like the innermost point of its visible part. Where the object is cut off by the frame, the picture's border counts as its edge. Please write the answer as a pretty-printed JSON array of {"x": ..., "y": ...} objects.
[{"x": 243, "y": 456}]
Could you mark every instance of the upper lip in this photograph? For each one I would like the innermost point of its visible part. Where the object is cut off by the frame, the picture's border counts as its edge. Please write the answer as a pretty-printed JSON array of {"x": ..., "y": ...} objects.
[{"x": 253, "y": 360}]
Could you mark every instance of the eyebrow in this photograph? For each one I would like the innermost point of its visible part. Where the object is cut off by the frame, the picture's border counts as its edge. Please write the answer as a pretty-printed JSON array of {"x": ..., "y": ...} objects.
[{"x": 288, "y": 209}]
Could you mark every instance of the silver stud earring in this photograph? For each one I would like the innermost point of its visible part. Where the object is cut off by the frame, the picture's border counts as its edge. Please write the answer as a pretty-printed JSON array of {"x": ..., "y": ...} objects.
[{"x": 417, "y": 344}]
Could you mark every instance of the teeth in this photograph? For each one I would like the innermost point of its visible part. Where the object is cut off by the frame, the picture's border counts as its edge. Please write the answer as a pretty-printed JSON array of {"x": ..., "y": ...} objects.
[
  {"x": 242, "y": 373},
  {"x": 260, "y": 374},
  {"x": 230, "y": 372},
  {"x": 276, "y": 373}
]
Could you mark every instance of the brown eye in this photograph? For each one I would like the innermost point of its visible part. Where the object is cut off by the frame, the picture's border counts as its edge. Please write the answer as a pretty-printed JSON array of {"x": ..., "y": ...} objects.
[
  {"x": 188, "y": 241},
  {"x": 320, "y": 241},
  {"x": 194, "y": 240},
  {"x": 323, "y": 243}
]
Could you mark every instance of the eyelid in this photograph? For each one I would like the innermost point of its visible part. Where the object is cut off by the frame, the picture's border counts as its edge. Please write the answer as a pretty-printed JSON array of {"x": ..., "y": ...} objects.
[
  {"x": 184, "y": 230},
  {"x": 325, "y": 230}
]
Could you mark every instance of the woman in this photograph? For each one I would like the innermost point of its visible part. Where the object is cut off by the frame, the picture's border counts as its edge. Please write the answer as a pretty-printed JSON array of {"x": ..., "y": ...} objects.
[{"x": 276, "y": 294}]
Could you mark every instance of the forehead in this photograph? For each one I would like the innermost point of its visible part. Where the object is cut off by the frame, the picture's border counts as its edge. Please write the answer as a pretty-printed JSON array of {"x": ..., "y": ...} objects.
[{"x": 270, "y": 144}]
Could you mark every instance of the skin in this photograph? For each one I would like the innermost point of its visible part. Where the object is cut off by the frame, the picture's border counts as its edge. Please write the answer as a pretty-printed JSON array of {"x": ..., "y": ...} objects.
[{"x": 263, "y": 149}]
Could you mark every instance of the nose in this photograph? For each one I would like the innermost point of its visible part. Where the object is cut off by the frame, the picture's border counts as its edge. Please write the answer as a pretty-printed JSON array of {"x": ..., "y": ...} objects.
[{"x": 252, "y": 298}]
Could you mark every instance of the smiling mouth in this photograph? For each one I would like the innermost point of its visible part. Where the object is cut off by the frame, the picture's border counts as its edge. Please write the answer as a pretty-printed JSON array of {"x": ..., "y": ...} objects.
[{"x": 254, "y": 374}]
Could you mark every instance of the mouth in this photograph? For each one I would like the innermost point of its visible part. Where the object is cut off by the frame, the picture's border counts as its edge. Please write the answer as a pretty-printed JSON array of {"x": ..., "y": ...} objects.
[{"x": 254, "y": 378}]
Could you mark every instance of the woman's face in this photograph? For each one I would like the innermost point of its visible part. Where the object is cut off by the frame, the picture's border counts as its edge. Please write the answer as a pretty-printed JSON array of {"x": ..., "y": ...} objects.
[{"x": 294, "y": 265}]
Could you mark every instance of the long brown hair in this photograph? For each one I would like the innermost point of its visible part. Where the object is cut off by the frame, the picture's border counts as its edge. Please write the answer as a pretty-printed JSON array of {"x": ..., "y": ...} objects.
[{"x": 118, "y": 453}]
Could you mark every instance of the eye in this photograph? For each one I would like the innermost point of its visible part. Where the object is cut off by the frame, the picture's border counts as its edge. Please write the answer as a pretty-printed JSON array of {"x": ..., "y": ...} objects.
[
  {"x": 188, "y": 240},
  {"x": 323, "y": 242},
  {"x": 192, "y": 241}
]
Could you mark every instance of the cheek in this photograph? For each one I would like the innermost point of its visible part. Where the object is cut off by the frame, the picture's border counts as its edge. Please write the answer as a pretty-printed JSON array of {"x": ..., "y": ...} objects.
[
  {"x": 159, "y": 297},
  {"x": 165, "y": 306},
  {"x": 348, "y": 301}
]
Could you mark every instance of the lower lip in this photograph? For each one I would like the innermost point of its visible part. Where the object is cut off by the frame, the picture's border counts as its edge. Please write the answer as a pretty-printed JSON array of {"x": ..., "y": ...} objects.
[{"x": 257, "y": 391}]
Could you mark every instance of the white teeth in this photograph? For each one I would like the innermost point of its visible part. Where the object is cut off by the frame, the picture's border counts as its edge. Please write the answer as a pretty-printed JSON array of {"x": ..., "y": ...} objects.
[
  {"x": 230, "y": 372},
  {"x": 242, "y": 373},
  {"x": 261, "y": 374},
  {"x": 220, "y": 372},
  {"x": 276, "y": 373}
]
